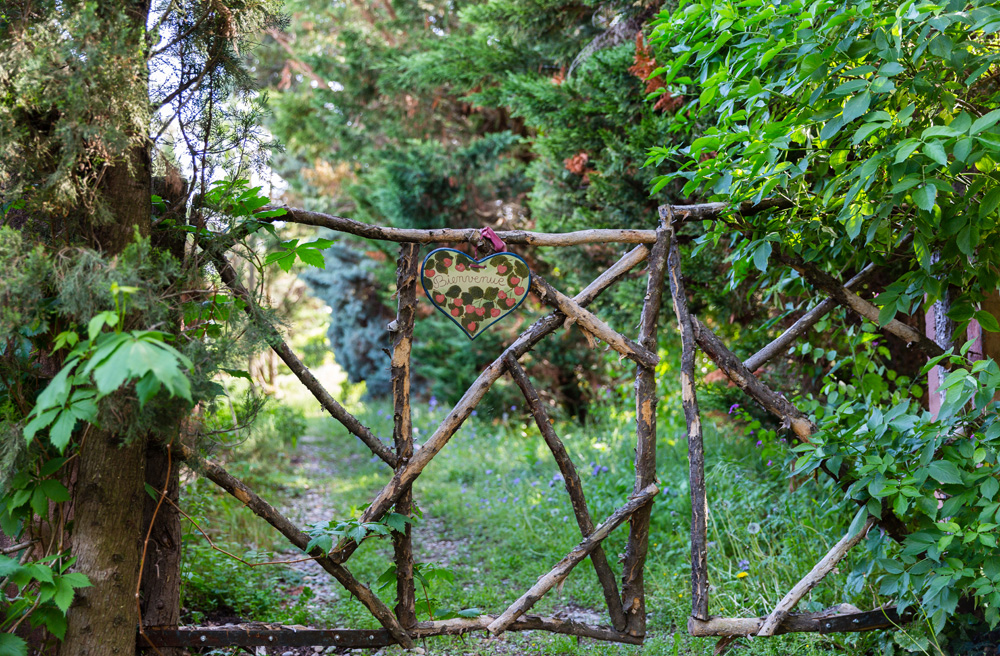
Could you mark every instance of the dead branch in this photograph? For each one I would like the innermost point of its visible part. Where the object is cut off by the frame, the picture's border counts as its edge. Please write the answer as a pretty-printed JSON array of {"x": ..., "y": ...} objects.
[
  {"x": 228, "y": 275},
  {"x": 634, "y": 562},
  {"x": 696, "y": 450},
  {"x": 815, "y": 575},
  {"x": 571, "y": 560},
  {"x": 591, "y": 324},
  {"x": 573, "y": 487}
]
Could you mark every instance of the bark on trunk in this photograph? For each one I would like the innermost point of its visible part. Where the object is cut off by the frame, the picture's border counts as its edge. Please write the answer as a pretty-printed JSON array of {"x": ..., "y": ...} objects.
[{"x": 106, "y": 541}]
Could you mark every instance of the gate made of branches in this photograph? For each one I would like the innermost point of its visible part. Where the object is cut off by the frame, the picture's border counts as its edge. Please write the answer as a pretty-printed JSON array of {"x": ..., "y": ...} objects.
[{"x": 626, "y": 606}]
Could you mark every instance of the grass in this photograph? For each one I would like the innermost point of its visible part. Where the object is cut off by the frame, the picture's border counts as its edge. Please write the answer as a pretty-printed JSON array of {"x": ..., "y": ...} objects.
[{"x": 496, "y": 516}]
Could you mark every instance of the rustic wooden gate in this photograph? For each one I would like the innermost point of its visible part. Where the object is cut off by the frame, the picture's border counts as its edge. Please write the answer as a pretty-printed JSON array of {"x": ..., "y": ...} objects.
[{"x": 627, "y": 607}]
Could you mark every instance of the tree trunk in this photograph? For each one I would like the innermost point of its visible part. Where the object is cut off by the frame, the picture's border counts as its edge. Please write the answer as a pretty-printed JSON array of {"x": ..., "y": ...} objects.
[
  {"x": 161, "y": 582},
  {"x": 106, "y": 541},
  {"x": 108, "y": 497}
]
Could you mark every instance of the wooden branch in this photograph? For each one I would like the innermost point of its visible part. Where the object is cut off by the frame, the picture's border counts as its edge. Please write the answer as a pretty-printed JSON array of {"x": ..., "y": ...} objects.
[
  {"x": 522, "y": 237},
  {"x": 804, "y": 323},
  {"x": 228, "y": 275},
  {"x": 696, "y": 448},
  {"x": 524, "y": 343},
  {"x": 778, "y": 405},
  {"x": 571, "y": 560},
  {"x": 407, "y": 269},
  {"x": 637, "y": 547},
  {"x": 267, "y": 635},
  {"x": 822, "y": 280},
  {"x": 839, "y": 619},
  {"x": 573, "y": 487},
  {"x": 815, "y": 575},
  {"x": 731, "y": 365},
  {"x": 218, "y": 475},
  {"x": 589, "y": 322}
]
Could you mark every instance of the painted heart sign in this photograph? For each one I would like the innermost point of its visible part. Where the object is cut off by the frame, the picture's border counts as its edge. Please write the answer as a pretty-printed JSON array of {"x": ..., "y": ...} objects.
[{"x": 475, "y": 294}]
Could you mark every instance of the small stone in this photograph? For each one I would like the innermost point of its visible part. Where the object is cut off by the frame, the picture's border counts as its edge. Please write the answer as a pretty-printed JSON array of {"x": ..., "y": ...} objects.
[
  {"x": 318, "y": 650},
  {"x": 288, "y": 653},
  {"x": 417, "y": 650}
]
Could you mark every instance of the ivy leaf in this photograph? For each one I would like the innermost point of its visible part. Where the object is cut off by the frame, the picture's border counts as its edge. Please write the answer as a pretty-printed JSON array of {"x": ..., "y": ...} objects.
[
  {"x": 312, "y": 257},
  {"x": 64, "y": 594},
  {"x": 62, "y": 430},
  {"x": 11, "y": 645},
  {"x": 945, "y": 472}
]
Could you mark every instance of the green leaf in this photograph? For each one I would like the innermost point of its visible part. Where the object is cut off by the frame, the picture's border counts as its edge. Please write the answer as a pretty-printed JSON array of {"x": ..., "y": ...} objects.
[
  {"x": 984, "y": 123},
  {"x": 925, "y": 197},
  {"x": 858, "y": 522},
  {"x": 989, "y": 487},
  {"x": 990, "y": 202},
  {"x": 945, "y": 472},
  {"x": 62, "y": 430},
  {"x": 8, "y": 566},
  {"x": 761, "y": 255},
  {"x": 11, "y": 645},
  {"x": 39, "y": 422},
  {"x": 857, "y": 106},
  {"x": 987, "y": 321},
  {"x": 935, "y": 151},
  {"x": 312, "y": 257},
  {"x": 886, "y": 314},
  {"x": 891, "y": 68},
  {"x": 54, "y": 490},
  {"x": 64, "y": 594}
]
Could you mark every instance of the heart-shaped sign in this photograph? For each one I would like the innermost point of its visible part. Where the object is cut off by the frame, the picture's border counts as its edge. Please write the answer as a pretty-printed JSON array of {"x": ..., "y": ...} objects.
[{"x": 475, "y": 294}]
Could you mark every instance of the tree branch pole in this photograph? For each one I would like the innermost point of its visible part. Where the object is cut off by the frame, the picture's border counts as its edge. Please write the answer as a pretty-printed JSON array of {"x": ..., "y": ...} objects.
[
  {"x": 696, "y": 212},
  {"x": 228, "y": 275},
  {"x": 637, "y": 547},
  {"x": 815, "y": 575},
  {"x": 696, "y": 448},
  {"x": 589, "y": 322},
  {"x": 804, "y": 323},
  {"x": 407, "y": 269},
  {"x": 388, "y": 495},
  {"x": 573, "y": 487},
  {"x": 822, "y": 280},
  {"x": 218, "y": 475},
  {"x": 571, "y": 560}
]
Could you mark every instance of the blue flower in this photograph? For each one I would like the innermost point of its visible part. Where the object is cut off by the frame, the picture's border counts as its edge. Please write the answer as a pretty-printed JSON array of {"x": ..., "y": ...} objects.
[
  {"x": 733, "y": 408},
  {"x": 489, "y": 471},
  {"x": 743, "y": 565},
  {"x": 517, "y": 480},
  {"x": 474, "y": 413},
  {"x": 433, "y": 402}
]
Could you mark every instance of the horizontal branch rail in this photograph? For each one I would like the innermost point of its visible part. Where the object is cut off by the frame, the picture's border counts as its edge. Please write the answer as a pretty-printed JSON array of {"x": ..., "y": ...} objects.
[
  {"x": 839, "y": 619},
  {"x": 265, "y": 635},
  {"x": 696, "y": 212}
]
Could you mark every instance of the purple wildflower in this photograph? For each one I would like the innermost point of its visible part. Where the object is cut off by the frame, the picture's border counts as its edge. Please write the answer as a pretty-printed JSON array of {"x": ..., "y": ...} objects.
[
  {"x": 759, "y": 443},
  {"x": 733, "y": 408},
  {"x": 743, "y": 565}
]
